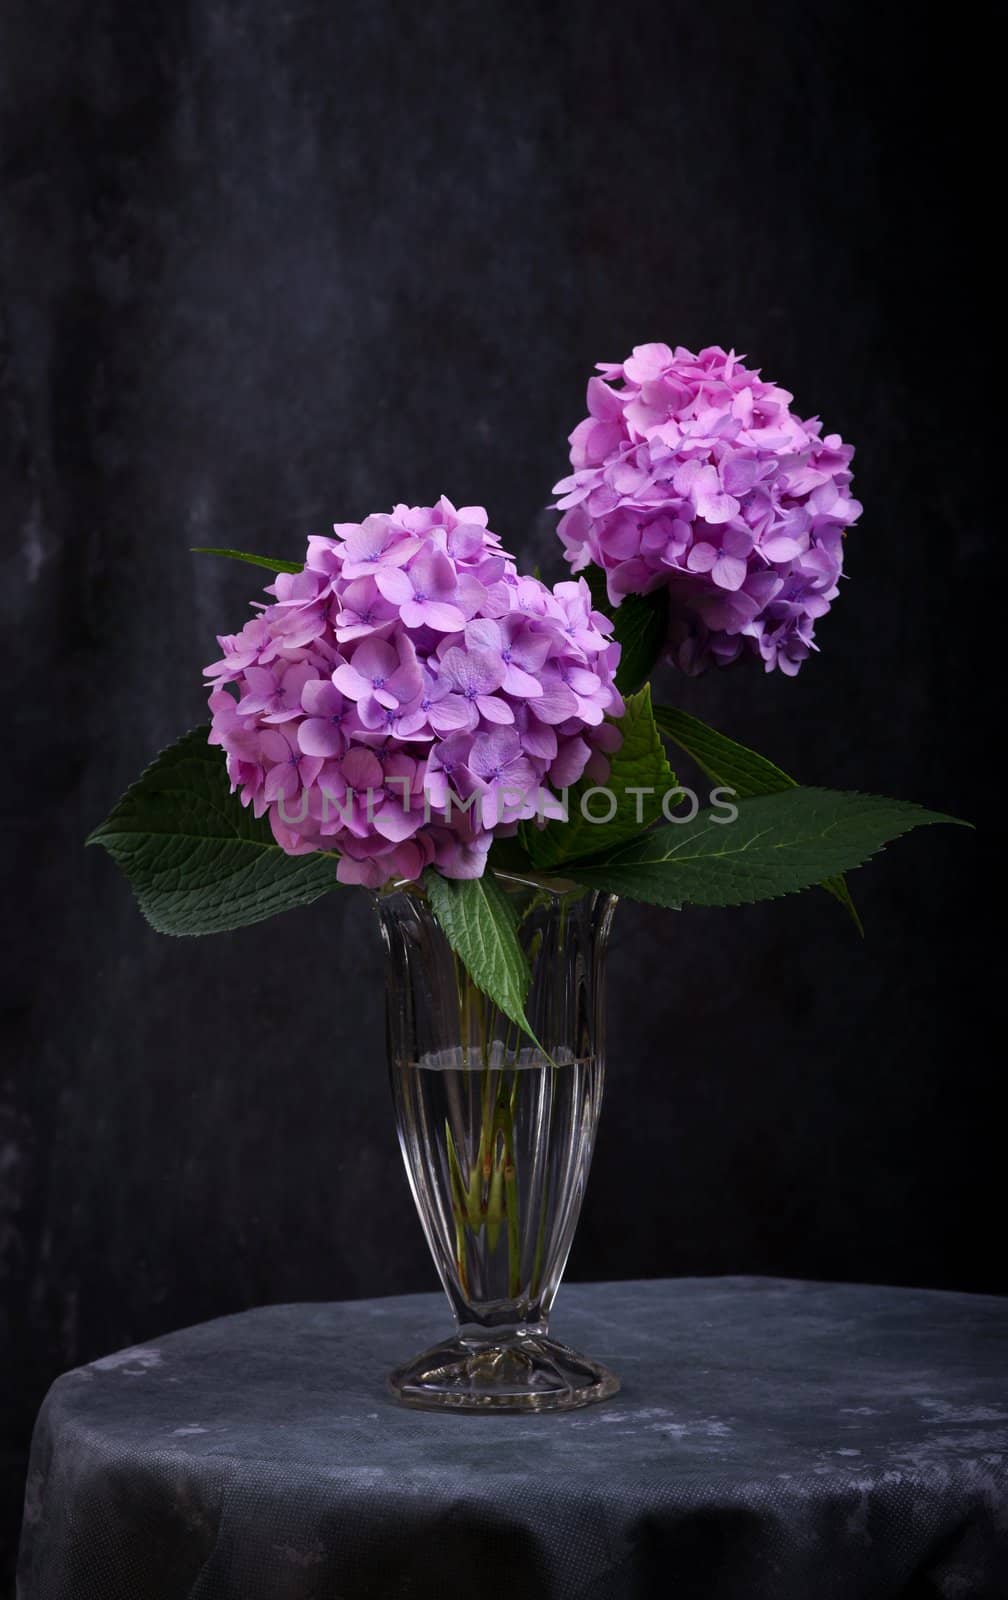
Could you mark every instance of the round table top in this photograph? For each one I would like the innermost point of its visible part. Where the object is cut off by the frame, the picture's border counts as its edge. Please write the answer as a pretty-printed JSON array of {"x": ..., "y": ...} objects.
[{"x": 771, "y": 1438}]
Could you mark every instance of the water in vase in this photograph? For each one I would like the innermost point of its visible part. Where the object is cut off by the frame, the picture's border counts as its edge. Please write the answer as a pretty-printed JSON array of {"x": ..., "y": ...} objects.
[{"x": 497, "y": 1152}]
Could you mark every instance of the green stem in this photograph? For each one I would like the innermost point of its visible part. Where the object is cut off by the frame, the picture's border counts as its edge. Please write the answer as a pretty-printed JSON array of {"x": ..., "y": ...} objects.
[
  {"x": 464, "y": 986},
  {"x": 484, "y": 1158},
  {"x": 458, "y": 1209},
  {"x": 485, "y": 1191},
  {"x": 495, "y": 1205},
  {"x": 505, "y": 1124}
]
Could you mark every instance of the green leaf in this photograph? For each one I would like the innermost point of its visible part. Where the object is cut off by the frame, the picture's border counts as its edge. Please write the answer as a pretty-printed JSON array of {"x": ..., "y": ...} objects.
[
  {"x": 268, "y": 562},
  {"x": 778, "y": 844},
  {"x": 734, "y": 766},
  {"x": 481, "y": 925},
  {"x": 641, "y": 764},
  {"x": 197, "y": 860},
  {"x": 640, "y": 623}
]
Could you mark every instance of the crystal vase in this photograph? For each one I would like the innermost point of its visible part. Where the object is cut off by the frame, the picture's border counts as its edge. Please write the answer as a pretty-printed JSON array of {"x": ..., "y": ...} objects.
[{"x": 497, "y": 1137}]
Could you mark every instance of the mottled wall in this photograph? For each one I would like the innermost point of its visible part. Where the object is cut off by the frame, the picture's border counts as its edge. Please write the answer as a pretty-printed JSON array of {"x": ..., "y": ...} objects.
[{"x": 265, "y": 266}]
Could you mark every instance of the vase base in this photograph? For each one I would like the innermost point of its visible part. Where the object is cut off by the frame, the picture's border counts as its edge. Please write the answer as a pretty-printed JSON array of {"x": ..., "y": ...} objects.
[{"x": 522, "y": 1373}]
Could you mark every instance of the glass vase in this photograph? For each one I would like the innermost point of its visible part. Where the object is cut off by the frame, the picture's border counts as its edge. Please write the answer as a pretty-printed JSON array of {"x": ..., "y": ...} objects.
[{"x": 497, "y": 1137}]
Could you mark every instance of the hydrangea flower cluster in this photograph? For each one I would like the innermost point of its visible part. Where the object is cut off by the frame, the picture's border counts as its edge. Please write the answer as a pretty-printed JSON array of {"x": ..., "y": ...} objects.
[
  {"x": 408, "y": 694},
  {"x": 692, "y": 472}
]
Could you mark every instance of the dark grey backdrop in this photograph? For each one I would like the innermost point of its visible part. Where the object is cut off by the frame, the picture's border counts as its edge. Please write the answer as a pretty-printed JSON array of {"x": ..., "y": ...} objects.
[{"x": 266, "y": 266}]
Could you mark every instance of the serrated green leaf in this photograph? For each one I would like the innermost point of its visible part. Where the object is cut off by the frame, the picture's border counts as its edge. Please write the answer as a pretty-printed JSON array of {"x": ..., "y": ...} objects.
[
  {"x": 198, "y": 861},
  {"x": 735, "y": 766},
  {"x": 639, "y": 764},
  {"x": 481, "y": 924},
  {"x": 640, "y": 623},
  {"x": 777, "y": 844},
  {"x": 269, "y": 562},
  {"x": 722, "y": 759}
]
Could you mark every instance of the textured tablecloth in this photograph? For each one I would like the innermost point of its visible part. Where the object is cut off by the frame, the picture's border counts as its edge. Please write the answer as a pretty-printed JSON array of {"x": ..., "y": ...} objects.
[{"x": 790, "y": 1440}]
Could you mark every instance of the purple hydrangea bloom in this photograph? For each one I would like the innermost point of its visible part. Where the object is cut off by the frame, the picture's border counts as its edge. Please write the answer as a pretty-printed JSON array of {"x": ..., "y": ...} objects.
[
  {"x": 407, "y": 695},
  {"x": 692, "y": 472}
]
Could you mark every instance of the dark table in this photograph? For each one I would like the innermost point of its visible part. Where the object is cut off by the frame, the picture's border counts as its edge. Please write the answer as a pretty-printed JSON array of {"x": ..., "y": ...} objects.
[{"x": 790, "y": 1440}]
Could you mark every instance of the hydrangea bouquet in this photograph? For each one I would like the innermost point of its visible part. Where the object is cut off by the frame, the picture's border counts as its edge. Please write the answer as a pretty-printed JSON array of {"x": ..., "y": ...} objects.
[
  {"x": 407, "y": 711},
  {"x": 408, "y": 706}
]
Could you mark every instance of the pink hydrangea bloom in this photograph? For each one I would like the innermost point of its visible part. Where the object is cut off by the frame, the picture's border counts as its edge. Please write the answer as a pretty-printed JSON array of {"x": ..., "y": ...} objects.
[
  {"x": 691, "y": 472},
  {"x": 407, "y": 695}
]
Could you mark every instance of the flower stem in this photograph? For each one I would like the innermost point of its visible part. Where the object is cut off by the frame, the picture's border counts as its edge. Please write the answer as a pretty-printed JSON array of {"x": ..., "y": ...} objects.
[{"x": 485, "y": 1190}]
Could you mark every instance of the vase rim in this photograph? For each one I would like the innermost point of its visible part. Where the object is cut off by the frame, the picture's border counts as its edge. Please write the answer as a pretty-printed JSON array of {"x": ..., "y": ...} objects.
[{"x": 558, "y": 888}]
